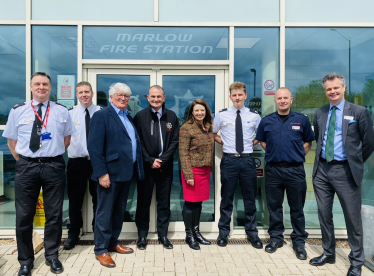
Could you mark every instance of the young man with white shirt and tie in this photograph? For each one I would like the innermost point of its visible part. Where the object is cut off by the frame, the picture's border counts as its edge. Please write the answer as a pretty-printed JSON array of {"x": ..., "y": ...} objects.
[{"x": 79, "y": 167}]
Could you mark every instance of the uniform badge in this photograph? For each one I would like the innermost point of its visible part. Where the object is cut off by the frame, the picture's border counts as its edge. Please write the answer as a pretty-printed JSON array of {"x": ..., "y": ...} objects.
[
  {"x": 77, "y": 123},
  {"x": 169, "y": 126}
]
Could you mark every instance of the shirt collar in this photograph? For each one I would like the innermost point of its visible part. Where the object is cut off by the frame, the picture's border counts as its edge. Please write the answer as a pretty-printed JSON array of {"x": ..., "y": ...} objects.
[
  {"x": 119, "y": 111},
  {"x": 339, "y": 106},
  {"x": 159, "y": 111},
  {"x": 233, "y": 109},
  {"x": 35, "y": 102},
  {"x": 83, "y": 109}
]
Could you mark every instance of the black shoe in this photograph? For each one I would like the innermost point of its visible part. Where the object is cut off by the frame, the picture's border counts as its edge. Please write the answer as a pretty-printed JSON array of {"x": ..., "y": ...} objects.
[
  {"x": 25, "y": 270},
  {"x": 165, "y": 242},
  {"x": 273, "y": 246},
  {"x": 70, "y": 243},
  {"x": 142, "y": 243},
  {"x": 255, "y": 241},
  {"x": 354, "y": 271},
  {"x": 222, "y": 240},
  {"x": 56, "y": 266},
  {"x": 300, "y": 252},
  {"x": 321, "y": 260}
]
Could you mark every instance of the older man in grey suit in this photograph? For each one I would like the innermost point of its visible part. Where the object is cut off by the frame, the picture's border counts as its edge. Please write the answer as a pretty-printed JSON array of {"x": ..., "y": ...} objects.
[{"x": 345, "y": 140}]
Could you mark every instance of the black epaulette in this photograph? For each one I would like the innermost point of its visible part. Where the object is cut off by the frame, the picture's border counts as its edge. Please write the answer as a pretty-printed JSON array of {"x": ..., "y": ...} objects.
[
  {"x": 266, "y": 116},
  {"x": 301, "y": 114},
  {"x": 101, "y": 107},
  {"x": 18, "y": 105},
  {"x": 61, "y": 105},
  {"x": 225, "y": 109},
  {"x": 252, "y": 110},
  {"x": 71, "y": 108}
]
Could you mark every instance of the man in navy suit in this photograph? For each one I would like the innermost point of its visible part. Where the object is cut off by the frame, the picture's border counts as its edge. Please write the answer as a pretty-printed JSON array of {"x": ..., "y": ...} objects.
[
  {"x": 116, "y": 157},
  {"x": 345, "y": 140}
]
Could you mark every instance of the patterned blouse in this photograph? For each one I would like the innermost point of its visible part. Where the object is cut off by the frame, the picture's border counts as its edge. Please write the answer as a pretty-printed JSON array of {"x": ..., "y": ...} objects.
[{"x": 195, "y": 148}]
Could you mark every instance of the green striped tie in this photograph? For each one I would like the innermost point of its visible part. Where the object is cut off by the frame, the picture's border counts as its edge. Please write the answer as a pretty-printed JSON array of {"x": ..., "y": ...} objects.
[{"x": 330, "y": 137}]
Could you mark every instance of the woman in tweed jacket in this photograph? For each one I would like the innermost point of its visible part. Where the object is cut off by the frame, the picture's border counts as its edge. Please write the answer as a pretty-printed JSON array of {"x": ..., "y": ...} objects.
[{"x": 196, "y": 144}]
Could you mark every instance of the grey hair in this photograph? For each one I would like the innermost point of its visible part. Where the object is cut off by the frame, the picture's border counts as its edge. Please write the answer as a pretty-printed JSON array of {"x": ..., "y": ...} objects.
[
  {"x": 120, "y": 87},
  {"x": 331, "y": 77}
]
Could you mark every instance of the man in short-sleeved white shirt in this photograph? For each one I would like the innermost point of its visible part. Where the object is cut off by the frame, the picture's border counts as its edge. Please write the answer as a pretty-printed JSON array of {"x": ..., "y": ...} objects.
[
  {"x": 38, "y": 133},
  {"x": 238, "y": 125}
]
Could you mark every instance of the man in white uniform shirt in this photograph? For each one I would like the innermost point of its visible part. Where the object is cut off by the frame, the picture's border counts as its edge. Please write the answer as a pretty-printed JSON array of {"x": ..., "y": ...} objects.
[
  {"x": 238, "y": 125},
  {"x": 79, "y": 167},
  {"x": 38, "y": 133}
]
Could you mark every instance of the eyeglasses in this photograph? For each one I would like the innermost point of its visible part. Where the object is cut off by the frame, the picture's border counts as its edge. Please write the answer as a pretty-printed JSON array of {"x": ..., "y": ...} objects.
[{"x": 125, "y": 96}]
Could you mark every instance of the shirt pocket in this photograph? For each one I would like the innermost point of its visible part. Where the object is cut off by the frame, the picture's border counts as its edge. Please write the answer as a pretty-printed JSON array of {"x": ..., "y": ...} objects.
[
  {"x": 58, "y": 125},
  {"x": 248, "y": 129},
  {"x": 295, "y": 132},
  {"x": 25, "y": 125}
]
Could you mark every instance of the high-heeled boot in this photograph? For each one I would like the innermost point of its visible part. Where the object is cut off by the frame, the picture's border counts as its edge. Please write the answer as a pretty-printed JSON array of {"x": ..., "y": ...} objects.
[
  {"x": 196, "y": 229},
  {"x": 188, "y": 223}
]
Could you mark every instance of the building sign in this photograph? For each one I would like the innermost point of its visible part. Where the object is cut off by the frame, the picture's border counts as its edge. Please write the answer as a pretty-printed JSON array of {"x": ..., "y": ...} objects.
[
  {"x": 269, "y": 87},
  {"x": 259, "y": 166},
  {"x": 162, "y": 43},
  {"x": 65, "y": 87}
]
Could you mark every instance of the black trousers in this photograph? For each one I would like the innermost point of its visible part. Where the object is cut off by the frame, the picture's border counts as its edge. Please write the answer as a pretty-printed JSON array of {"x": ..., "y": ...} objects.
[
  {"x": 234, "y": 169},
  {"x": 30, "y": 177},
  {"x": 331, "y": 179},
  {"x": 163, "y": 180},
  {"x": 292, "y": 180},
  {"x": 79, "y": 170}
]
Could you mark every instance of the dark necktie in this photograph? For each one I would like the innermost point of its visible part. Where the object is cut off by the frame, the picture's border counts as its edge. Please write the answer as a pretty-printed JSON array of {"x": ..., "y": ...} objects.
[
  {"x": 239, "y": 133},
  {"x": 157, "y": 134},
  {"x": 37, "y": 127},
  {"x": 88, "y": 119},
  {"x": 329, "y": 150}
]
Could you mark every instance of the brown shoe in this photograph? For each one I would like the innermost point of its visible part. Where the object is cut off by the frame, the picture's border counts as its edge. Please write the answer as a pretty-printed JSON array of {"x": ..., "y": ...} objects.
[
  {"x": 121, "y": 249},
  {"x": 106, "y": 260}
]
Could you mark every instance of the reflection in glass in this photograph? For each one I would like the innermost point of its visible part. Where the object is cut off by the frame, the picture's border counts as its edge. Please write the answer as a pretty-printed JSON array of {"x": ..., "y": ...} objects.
[
  {"x": 256, "y": 65},
  {"x": 12, "y": 68},
  {"x": 7, "y": 174},
  {"x": 312, "y": 53},
  {"x": 54, "y": 51},
  {"x": 180, "y": 91}
]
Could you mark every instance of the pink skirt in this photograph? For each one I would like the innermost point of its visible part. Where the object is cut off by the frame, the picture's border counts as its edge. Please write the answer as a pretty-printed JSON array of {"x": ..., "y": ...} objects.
[{"x": 200, "y": 191}]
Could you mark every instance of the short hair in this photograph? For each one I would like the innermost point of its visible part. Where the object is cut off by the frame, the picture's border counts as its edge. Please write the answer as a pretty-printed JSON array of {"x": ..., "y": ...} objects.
[
  {"x": 121, "y": 87},
  {"x": 331, "y": 77},
  {"x": 84, "y": 83},
  {"x": 157, "y": 86},
  {"x": 238, "y": 85},
  {"x": 284, "y": 88},
  {"x": 208, "y": 120},
  {"x": 40, "y": 74}
]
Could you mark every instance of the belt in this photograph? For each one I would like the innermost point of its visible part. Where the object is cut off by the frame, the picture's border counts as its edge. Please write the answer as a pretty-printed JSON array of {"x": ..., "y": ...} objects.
[
  {"x": 85, "y": 158},
  {"x": 333, "y": 162},
  {"x": 41, "y": 159},
  {"x": 285, "y": 164},
  {"x": 237, "y": 154}
]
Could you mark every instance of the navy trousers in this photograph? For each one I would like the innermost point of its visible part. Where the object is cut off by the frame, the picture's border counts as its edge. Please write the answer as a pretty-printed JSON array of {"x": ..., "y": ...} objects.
[
  {"x": 292, "y": 180},
  {"x": 234, "y": 169},
  {"x": 111, "y": 206}
]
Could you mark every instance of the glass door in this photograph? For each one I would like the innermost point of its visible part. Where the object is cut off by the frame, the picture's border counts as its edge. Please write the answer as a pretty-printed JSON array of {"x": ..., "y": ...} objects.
[{"x": 181, "y": 88}]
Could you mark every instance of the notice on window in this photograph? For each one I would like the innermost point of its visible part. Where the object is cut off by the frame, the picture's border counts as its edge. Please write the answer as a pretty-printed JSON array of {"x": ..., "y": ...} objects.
[{"x": 65, "y": 87}]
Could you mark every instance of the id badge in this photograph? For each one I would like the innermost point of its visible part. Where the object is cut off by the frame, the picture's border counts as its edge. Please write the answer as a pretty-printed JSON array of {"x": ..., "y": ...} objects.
[{"x": 46, "y": 136}]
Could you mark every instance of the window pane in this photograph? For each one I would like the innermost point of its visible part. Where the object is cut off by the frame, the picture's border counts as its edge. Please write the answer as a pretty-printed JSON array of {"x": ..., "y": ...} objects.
[
  {"x": 109, "y": 10},
  {"x": 329, "y": 11},
  {"x": 219, "y": 10},
  {"x": 13, "y": 10},
  {"x": 12, "y": 68},
  {"x": 165, "y": 43},
  {"x": 54, "y": 51},
  {"x": 311, "y": 53},
  {"x": 256, "y": 65}
]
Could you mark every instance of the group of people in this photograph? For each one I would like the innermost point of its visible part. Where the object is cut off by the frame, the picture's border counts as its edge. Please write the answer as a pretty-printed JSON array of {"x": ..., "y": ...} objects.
[{"x": 108, "y": 148}]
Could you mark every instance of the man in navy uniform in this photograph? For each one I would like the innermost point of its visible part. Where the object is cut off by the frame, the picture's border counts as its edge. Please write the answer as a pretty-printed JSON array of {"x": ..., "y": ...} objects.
[
  {"x": 238, "y": 125},
  {"x": 116, "y": 157},
  {"x": 38, "y": 133},
  {"x": 344, "y": 134},
  {"x": 158, "y": 129},
  {"x": 286, "y": 136},
  {"x": 79, "y": 167}
]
